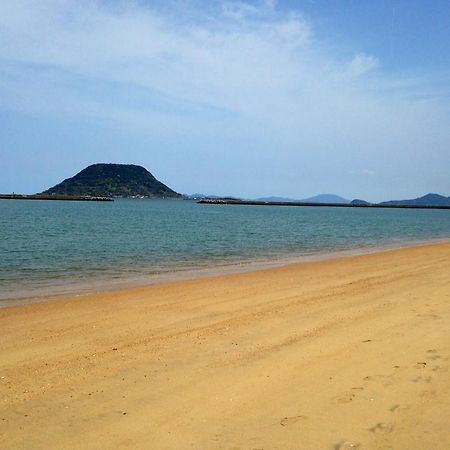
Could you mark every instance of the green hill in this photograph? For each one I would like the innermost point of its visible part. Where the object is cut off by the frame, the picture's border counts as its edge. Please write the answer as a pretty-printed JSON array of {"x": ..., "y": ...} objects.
[{"x": 113, "y": 180}]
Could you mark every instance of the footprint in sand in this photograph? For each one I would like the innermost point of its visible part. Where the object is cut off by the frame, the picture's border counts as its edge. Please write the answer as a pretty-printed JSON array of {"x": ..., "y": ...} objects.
[
  {"x": 382, "y": 428},
  {"x": 398, "y": 408},
  {"x": 428, "y": 393},
  {"x": 421, "y": 379},
  {"x": 286, "y": 421},
  {"x": 347, "y": 398},
  {"x": 428, "y": 316}
]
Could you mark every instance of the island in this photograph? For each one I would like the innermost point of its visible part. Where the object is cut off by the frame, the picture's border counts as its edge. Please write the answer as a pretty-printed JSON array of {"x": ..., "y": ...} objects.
[
  {"x": 104, "y": 182},
  {"x": 113, "y": 180}
]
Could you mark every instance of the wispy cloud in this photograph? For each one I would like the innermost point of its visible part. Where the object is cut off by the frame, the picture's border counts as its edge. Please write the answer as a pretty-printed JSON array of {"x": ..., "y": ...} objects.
[
  {"x": 240, "y": 10},
  {"x": 362, "y": 64},
  {"x": 243, "y": 60},
  {"x": 223, "y": 63}
]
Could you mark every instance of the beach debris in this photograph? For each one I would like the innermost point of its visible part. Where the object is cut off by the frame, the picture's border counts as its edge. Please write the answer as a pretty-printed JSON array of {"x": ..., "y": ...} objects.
[
  {"x": 114, "y": 348},
  {"x": 367, "y": 340}
]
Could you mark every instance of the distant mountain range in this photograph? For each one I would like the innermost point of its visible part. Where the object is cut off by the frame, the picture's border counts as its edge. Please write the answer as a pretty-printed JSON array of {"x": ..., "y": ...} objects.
[
  {"x": 322, "y": 198},
  {"x": 426, "y": 200},
  {"x": 200, "y": 196},
  {"x": 113, "y": 180},
  {"x": 210, "y": 196}
]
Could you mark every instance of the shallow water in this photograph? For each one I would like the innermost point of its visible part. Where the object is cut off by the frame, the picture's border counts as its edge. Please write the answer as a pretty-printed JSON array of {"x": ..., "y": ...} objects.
[{"x": 55, "y": 247}]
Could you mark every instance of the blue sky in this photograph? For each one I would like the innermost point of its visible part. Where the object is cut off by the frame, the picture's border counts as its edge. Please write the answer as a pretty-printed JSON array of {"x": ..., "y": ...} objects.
[{"x": 244, "y": 98}]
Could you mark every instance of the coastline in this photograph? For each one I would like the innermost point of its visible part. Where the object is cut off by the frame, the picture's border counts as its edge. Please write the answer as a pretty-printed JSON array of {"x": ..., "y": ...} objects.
[
  {"x": 108, "y": 285},
  {"x": 338, "y": 353}
]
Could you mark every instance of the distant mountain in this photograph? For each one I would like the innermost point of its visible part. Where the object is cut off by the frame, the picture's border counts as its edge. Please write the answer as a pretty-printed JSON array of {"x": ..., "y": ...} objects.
[
  {"x": 200, "y": 196},
  {"x": 426, "y": 200},
  {"x": 322, "y": 198},
  {"x": 113, "y": 180},
  {"x": 275, "y": 199},
  {"x": 326, "y": 198},
  {"x": 359, "y": 202}
]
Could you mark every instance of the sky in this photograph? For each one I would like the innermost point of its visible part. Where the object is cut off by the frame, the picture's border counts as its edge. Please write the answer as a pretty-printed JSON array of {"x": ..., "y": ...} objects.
[{"x": 248, "y": 98}]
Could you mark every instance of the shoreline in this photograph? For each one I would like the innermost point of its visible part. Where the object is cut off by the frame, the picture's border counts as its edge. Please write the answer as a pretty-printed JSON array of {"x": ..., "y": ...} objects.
[
  {"x": 342, "y": 353},
  {"x": 110, "y": 285}
]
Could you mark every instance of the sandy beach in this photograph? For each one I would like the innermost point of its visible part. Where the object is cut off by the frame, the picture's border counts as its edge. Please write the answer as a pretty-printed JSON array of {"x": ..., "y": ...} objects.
[{"x": 339, "y": 354}]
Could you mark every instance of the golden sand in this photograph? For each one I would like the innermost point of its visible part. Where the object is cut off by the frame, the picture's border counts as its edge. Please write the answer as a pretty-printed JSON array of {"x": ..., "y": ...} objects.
[{"x": 338, "y": 354}]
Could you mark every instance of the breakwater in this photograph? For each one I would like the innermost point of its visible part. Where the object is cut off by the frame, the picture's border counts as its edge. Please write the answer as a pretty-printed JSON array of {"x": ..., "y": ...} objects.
[
  {"x": 54, "y": 197},
  {"x": 335, "y": 205}
]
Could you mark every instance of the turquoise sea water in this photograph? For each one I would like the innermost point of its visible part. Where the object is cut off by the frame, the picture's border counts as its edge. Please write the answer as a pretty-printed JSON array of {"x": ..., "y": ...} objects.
[{"x": 53, "y": 247}]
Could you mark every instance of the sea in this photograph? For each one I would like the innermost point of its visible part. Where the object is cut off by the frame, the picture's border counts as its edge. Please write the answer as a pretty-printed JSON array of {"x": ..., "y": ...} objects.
[{"x": 50, "y": 249}]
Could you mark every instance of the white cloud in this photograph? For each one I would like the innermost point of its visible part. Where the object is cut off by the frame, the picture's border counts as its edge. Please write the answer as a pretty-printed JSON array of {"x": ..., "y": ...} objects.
[
  {"x": 240, "y": 10},
  {"x": 221, "y": 64},
  {"x": 362, "y": 64},
  {"x": 368, "y": 172}
]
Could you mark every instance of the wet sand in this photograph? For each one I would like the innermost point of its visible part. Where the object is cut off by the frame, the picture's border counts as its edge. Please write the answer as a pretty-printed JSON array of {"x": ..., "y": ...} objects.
[{"x": 339, "y": 354}]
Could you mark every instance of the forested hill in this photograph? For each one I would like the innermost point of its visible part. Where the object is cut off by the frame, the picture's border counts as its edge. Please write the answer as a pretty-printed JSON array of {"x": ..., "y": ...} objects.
[{"x": 113, "y": 180}]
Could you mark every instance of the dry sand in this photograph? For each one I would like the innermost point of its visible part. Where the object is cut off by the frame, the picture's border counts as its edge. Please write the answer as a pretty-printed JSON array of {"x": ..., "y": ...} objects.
[{"x": 339, "y": 354}]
